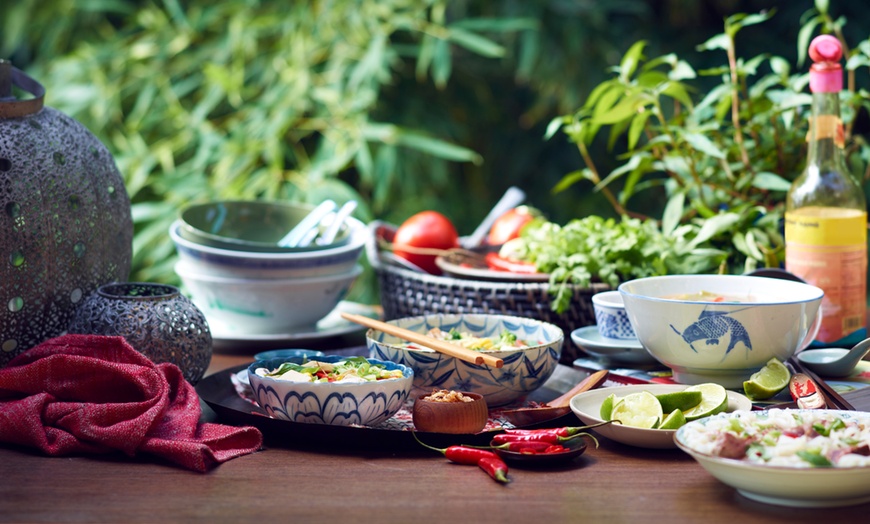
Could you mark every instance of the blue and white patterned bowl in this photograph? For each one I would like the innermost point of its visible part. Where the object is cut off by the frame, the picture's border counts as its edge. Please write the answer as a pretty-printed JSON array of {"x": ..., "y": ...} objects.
[
  {"x": 230, "y": 263},
  {"x": 524, "y": 370},
  {"x": 610, "y": 316},
  {"x": 723, "y": 342},
  {"x": 365, "y": 404}
]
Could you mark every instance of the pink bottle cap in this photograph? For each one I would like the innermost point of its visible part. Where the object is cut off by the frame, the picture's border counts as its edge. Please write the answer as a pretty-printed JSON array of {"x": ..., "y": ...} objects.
[{"x": 826, "y": 74}]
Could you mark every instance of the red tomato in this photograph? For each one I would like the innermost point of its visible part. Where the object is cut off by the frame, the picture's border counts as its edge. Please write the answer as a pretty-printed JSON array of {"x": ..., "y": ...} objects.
[
  {"x": 508, "y": 226},
  {"x": 426, "y": 229}
]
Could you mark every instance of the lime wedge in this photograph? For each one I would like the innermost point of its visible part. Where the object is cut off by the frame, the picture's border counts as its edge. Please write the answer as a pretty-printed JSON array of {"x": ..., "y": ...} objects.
[
  {"x": 640, "y": 410},
  {"x": 714, "y": 399},
  {"x": 674, "y": 420},
  {"x": 607, "y": 406},
  {"x": 681, "y": 400},
  {"x": 768, "y": 381}
]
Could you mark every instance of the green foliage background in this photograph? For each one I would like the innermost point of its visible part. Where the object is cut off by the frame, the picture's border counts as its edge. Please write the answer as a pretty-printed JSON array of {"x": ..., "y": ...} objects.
[{"x": 402, "y": 104}]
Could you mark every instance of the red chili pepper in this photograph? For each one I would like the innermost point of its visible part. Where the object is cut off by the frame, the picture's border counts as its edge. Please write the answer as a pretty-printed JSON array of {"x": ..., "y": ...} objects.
[
  {"x": 524, "y": 447},
  {"x": 495, "y": 467},
  {"x": 556, "y": 448},
  {"x": 483, "y": 458},
  {"x": 497, "y": 263},
  {"x": 461, "y": 454},
  {"x": 561, "y": 432},
  {"x": 550, "y": 438}
]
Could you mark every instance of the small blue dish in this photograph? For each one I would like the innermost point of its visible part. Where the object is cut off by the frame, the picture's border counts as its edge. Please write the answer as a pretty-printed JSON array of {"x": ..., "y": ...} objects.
[{"x": 288, "y": 353}]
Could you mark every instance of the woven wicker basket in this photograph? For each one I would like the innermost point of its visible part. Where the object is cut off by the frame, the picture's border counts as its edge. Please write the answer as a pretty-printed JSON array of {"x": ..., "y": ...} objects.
[{"x": 406, "y": 293}]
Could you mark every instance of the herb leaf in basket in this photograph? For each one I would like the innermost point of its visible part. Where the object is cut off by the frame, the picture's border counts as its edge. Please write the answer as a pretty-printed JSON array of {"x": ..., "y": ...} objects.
[{"x": 608, "y": 250}]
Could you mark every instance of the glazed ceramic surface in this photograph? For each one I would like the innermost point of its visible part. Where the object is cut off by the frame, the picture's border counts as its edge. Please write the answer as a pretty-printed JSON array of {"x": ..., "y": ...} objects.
[
  {"x": 629, "y": 351},
  {"x": 789, "y": 486},
  {"x": 229, "y": 263},
  {"x": 524, "y": 370},
  {"x": 288, "y": 353},
  {"x": 248, "y": 225},
  {"x": 610, "y": 316},
  {"x": 339, "y": 404},
  {"x": 723, "y": 342},
  {"x": 266, "y": 306}
]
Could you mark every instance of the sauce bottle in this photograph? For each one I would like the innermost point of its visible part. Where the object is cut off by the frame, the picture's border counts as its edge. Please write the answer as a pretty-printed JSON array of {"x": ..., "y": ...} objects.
[{"x": 826, "y": 212}]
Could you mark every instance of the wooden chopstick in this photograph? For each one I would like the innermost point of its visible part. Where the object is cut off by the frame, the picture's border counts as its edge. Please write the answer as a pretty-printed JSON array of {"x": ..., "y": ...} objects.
[
  {"x": 830, "y": 394},
  {"x": 467, "y": 355}
]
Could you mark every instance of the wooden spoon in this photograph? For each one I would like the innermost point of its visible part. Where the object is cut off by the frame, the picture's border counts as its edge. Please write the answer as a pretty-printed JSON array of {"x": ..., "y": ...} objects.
[
  {"x": 453, "y": 350},
  {"x": 555, "y": 408}
]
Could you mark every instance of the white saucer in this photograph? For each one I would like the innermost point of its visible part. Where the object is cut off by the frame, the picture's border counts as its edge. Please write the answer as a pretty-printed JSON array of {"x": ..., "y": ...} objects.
[
  {"x": 333, "y": 325},
  {"x": 630, "y": 351}
]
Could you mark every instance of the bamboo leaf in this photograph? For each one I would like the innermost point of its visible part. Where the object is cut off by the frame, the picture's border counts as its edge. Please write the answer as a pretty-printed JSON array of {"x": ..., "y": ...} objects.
[
  {"x": 498, "y": 24},
  {"x": 804, "y": 35},
  {"x": 622, "y": 111},
  {"x": 637, "y": 127},
  {"x": 770, "y": 182},
  {"x": 436, "y": 147},
  {"x": 673, "y": 213},
  {"x": 572, "y": 178},
  {"x": 720, "y": 41},
  {"x": 631, "y": 59},
  {"x": 474, "y": 42},
  {"x": 714, "y": 226},
  {"x": 703, "y": 144}
]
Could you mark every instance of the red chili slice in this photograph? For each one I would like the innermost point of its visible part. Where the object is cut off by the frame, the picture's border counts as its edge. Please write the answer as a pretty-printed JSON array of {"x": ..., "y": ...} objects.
[{"x": 497, "y": 263}]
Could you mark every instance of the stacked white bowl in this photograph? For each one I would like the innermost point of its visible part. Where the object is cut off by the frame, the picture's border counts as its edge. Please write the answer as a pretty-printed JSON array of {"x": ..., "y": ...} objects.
[{"x": 263, "y": 293}]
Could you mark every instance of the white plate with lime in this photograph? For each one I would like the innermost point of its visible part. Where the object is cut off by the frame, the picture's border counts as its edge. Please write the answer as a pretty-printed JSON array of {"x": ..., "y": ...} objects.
[{"x": 587, "y": 407}]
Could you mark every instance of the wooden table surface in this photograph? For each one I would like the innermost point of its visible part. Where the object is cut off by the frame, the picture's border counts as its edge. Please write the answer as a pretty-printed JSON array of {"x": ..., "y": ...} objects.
[{"x": 613, "y": 483}]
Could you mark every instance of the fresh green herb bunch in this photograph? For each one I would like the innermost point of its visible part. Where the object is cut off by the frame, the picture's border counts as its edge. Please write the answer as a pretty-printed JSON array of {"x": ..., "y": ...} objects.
[
  {"x": 609, "y": 250},
  {"x": 725, "y": 161}
]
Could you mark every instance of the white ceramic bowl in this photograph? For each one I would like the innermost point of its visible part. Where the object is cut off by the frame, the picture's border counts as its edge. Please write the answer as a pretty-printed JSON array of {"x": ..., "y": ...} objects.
[
  {"x": 587, "y": 407},
  {"x": 524, "y": 370},
  {"x": 259, "y": 306},
  {"x": 789, "y": 486},
  {"x": 337, "y": 404},
  {"x": 723, "y": 342},
  {"x": 610, "y": 316},
  {"x": 217, "y": 262}
]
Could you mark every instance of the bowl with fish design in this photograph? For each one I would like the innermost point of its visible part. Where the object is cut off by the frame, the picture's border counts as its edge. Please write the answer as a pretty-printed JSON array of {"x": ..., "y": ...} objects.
[{"x": 721, "y": 328}]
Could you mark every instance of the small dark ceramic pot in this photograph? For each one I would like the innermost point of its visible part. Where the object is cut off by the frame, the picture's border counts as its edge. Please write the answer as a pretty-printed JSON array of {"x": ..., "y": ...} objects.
[{"x": 156, "y": 319}]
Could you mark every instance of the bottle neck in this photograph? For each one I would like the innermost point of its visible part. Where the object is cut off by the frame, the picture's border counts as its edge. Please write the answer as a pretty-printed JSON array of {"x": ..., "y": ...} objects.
[{"x": 826, "y": 135}]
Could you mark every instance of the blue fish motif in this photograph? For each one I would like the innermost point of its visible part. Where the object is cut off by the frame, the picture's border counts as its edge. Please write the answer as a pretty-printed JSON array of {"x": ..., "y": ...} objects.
[{"x": 712, "y": 326}]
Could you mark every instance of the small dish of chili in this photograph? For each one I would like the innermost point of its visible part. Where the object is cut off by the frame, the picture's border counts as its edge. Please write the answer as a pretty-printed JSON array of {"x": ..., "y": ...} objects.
[{"x": 541, "y": 454}]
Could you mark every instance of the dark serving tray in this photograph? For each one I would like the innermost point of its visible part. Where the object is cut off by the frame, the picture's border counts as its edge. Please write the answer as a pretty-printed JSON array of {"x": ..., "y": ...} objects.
[{"x": 218, "y": 392}]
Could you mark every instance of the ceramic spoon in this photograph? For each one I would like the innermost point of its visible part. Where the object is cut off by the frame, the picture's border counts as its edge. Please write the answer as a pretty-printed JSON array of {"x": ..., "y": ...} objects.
[
  {"x": 513, "y": 197},
  {"x": 555, "y": 408},
  {"x": 338, "y": 219},
  {"x": 298, "y": 234},
  {"x": 834, "y": 362}
]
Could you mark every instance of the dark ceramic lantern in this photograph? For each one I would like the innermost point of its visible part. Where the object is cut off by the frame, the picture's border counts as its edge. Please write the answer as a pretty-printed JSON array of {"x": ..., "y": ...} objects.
[{"x": 65, "y": 224}]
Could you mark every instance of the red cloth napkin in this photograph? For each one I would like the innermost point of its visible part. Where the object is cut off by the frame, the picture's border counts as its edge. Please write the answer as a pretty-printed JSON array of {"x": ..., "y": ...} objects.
[{"x": 96, "y": 394}]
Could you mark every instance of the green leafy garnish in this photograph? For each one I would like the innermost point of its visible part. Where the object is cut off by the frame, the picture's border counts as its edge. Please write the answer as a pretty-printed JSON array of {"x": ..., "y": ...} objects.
[
  {"x": 507, "y": 338},
  {"x": 608, "y": 250},
  {"x": 815, "y": 458}
]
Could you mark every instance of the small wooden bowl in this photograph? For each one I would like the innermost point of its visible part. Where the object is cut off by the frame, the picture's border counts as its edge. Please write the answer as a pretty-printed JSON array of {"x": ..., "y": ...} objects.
[{"x": 450, "y": 417}]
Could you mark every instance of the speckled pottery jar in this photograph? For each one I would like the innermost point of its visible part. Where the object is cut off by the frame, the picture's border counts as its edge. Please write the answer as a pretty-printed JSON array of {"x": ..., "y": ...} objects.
[
  {"x": 65, "y": 222},
  {"x": 156, "y": 319}
]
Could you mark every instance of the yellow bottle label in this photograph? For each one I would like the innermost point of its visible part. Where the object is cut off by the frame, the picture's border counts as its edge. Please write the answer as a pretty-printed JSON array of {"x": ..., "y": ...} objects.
[{"x": 827, "y": 247}]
